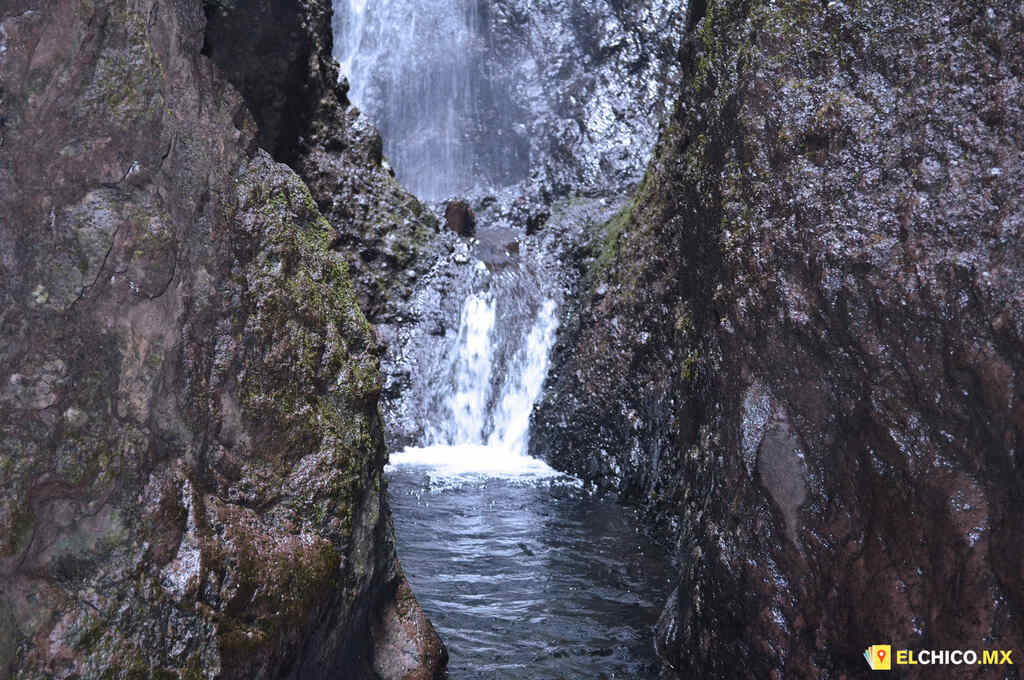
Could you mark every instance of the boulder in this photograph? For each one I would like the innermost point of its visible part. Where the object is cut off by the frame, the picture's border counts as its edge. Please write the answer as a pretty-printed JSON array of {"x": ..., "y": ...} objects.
[{"x": 460, "y": 218}]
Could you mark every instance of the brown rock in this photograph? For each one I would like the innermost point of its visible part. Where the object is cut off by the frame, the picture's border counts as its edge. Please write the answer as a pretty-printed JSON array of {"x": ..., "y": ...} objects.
[
  {"x": 460, "y": 218},
  {"x": 407, "y": 646},
  {"x": 186, "y": 486}
]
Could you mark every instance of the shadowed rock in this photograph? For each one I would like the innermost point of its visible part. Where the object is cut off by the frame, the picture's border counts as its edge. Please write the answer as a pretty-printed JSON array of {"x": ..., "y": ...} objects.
[{"x": 460, "y": 218}]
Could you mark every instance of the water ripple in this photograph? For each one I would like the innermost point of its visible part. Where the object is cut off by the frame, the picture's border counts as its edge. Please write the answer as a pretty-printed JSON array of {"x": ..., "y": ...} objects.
[{"x": 529, "y": 580}]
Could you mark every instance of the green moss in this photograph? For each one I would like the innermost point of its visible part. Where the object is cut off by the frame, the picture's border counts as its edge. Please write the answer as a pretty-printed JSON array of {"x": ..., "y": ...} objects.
[
  {"x": 87, "y": 8},
  {"x": 707, "y": 38},
  {"x": 684, "y": 320},
  {"x": 193, "y": 669},
  {"x": 690, "y": 365},
  {"x": 320, "y": 512},
  {"x": 238, "y": 643},
  {"x": 612, "y": 231},
  {"x": 21, "y": 531},
  {"x": 282, "y": 588},
  {"x": 311, "y": 369},
  {"x": 612, "y": 234},
  {"x": 128, "y": 82},
  {"x": 92, "y": 635}
]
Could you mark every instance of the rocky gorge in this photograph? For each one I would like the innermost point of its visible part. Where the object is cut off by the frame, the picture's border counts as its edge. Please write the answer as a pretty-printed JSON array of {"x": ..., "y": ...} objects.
[{"x": 779, "y": 241}]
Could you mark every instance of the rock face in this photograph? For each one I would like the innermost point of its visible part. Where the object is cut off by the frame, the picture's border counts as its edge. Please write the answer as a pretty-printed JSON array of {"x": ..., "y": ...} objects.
[
  {"x": 278, "y": 55},
  {"x": 191, "y": 449},
  {"x": 800, "y": 347},
  {"x": 591, "y": 77}
]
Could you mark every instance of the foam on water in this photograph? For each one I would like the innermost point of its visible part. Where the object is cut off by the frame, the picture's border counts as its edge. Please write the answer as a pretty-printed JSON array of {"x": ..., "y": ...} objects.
[{"x": 475, "y": 460}]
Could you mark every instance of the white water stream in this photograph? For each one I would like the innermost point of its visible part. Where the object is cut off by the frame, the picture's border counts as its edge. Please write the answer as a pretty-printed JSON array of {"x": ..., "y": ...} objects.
[
  {"x": 487, "y": 428},
  {"x": 413, "y": 68}
]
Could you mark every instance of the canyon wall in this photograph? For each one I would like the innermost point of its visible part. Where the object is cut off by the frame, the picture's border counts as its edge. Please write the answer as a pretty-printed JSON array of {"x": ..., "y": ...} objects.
[
  {"x": 191, "y": 449},
  {"x": 799, "y": 348}
]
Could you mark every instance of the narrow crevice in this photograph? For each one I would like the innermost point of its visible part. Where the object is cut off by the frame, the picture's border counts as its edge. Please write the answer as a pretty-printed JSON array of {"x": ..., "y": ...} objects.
[{"x": 697, "y": 10}]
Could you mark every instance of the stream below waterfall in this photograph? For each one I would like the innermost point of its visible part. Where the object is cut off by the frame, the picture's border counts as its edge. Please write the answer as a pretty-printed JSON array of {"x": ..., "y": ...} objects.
[
  {"x": 524, "y": 573},
  {"x": 526, "y": 578}
]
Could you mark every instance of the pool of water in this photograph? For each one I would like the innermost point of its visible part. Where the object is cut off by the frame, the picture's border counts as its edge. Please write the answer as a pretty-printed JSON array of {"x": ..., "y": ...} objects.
[{"x": 523, "y": 573}]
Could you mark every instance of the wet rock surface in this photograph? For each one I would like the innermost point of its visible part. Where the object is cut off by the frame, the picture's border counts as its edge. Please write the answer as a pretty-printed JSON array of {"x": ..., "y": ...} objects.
[
  {"x": 799, "y": 347},
  {"x": 596, "y": 77},
  {"x": 386, "y": 236},
  {"x": 191, "y": 447}
]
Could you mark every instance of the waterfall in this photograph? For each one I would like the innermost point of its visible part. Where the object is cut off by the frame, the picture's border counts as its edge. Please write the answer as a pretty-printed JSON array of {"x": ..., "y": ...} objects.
[
  {"x": 414, "y": 68},
  {"x": 485, "y": 408},
  {"x": 471, "y": 370},
  {"x": 509, "y": 104},
  {"x": 486, "y": 380}
]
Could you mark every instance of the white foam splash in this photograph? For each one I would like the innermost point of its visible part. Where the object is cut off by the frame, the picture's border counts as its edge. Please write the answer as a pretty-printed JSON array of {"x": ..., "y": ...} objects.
[{"x": 475, "y": 460}]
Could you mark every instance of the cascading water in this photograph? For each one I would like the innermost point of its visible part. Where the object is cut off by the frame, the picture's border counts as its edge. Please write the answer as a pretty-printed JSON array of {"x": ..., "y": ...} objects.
[
  {"x": 526, "y": 377},
  {"x": 472, "y": 369},
  {"x": 426, "y": 87},
  {"x": 524, "y": 574},
  {"x": 490, "y": 378}
]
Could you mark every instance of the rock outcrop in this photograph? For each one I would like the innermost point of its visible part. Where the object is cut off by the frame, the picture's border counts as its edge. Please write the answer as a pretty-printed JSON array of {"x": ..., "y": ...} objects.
[
  {"x": 800, "y": 347},
  {"x": 191, "y": 448},
  {"x": 460, "y": 218},
  {"x": 278, "y": 56}
]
